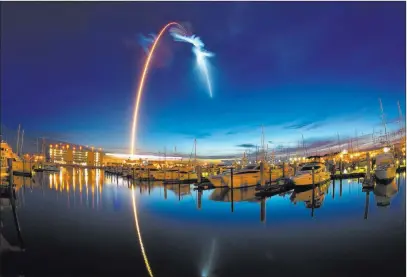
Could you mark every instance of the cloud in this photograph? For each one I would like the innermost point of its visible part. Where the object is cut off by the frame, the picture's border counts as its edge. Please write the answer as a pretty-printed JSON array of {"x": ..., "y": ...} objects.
[
  {"x": 197, "y": 135},
  {"x": 299, "y": 125},
  {"x": 231, "y": 133},
  {"x": 246, "y": 145}
]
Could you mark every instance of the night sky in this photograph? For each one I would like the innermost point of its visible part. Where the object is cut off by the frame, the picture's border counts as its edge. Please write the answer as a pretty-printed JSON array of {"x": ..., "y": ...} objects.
[{"x": 69, "y": 72}]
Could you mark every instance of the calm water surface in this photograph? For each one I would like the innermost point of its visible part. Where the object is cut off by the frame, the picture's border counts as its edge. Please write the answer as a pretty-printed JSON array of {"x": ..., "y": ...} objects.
[{"x": 84, "y": 223}]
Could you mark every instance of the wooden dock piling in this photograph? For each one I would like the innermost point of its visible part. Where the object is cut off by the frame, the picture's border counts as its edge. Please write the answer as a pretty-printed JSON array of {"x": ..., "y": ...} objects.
[
  {"x": 366, "y": 205},
  {"x": 231, "y": 191},
  {"x": 263, "y": 210},
  {"x": 313, "y": 192},
  {"x": 200, "y": 192}
]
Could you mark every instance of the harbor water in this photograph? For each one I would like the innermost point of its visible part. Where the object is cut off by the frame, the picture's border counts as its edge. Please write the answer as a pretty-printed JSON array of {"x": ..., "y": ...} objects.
[{"x": 87, "y": 223}]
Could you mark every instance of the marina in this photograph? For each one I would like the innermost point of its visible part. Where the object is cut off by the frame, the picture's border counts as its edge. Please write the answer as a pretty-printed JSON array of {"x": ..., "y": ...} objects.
[
  {"x": 71, "y": 207},
  {"x": 201, "y": 139}
]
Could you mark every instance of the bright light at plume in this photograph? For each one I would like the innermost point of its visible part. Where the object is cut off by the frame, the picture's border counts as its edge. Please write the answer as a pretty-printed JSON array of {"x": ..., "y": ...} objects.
[{"x": 199, "y": 52}]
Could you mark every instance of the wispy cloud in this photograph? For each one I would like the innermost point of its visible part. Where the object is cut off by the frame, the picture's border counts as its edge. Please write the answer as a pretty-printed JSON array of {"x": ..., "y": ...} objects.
[
  {"x": 231, "y": 133},
  {"x": 246, "y": 145},
  {"x": 299, "y": 125}
]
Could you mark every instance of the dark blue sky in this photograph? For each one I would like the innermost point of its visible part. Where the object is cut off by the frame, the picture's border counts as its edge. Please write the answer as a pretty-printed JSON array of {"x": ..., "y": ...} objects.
[{"x": 69, "y": 71}]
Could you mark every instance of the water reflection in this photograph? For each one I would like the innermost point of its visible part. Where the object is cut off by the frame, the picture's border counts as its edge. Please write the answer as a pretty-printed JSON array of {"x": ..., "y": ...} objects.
[
  {"x": 384, "y": 192},
  {"x": 133, "y": 195},
  {"x": 161, "y": 218},
  {"x": 236, "y": 195},
  {"x": 312, "y": 198}
]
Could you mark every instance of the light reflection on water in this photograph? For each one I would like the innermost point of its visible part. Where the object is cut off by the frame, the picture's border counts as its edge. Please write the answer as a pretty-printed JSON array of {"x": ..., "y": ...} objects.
[{"x": 205, "y": 233}]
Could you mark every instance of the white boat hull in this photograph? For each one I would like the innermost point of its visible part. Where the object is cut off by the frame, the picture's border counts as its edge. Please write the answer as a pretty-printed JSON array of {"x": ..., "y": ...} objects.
[
  {"x": 385, "y": 173},
  {"x": 306, "y": 179}
]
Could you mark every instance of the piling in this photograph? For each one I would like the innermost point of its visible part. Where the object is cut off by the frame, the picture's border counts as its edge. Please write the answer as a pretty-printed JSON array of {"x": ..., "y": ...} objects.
[
  {"x": 200, "y": 192},
  {"x": 133, "y": 172},
  {"x": 261, "y": 173},
  {"x": 263, "y": 210},
  {"x": 179, "y": 191},
  {"x": 12, "y": 200},
  {"x": 340, "y": 168},
  {"x": 179, "y": 176},
  {"x": 283, "y": 169},
  {"x": 367, "y": 204},
  {"x": 165, "y": 192},
  {"x": 148, "y": 175},
  {"x": 231, "y": 191},
  {"x": 10, "y": 170},
  {"x": 270, "y": 175},
  {"x": 333, "y": 189},
  {"x": 231, "y": 178},
  {"x": 313, "y": 192},
  {"x": 199, "y": 174},
  {"x": 368, "y": 170},
  {"x": 340, "y": 187}
]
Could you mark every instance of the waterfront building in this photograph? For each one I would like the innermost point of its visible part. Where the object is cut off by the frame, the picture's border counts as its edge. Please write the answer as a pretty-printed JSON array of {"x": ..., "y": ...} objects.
[{"x": 75, "y": 155}]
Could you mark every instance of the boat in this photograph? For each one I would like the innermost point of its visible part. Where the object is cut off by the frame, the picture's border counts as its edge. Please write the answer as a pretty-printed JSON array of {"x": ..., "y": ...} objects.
[
  {"x": 251, "y": 176},
  {"x": 217, "y": 181},
  {"x": 305, "y": 196},
  {"x": 385, "y": 167},
  {"x": 50, "y": 167},
  {"x": 385, "y": 192},
  {"x": 238, "y": 195},
  {"x": 304, "y": 176}
]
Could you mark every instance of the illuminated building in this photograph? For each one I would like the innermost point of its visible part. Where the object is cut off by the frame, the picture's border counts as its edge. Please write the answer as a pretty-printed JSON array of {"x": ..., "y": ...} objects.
[{"x": 75, "y": 155}]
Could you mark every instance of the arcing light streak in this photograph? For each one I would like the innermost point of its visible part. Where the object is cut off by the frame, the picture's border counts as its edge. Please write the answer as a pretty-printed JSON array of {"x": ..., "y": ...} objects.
[
  {"x": 199, "y": 52},
  {"x": 142, "y": 80},
  {"x": 139, "y": 233}
]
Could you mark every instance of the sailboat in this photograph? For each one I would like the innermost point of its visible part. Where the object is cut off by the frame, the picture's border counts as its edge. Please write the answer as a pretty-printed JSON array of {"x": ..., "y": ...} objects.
[{"x": 385, "y": 162}]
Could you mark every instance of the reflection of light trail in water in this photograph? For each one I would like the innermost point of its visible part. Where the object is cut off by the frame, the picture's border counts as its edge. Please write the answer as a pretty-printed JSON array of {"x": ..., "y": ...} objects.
[
  {"x": 142, "y": 80},
  {"x": 207, "y": 268},
  {"x": 139, "y": 233}
]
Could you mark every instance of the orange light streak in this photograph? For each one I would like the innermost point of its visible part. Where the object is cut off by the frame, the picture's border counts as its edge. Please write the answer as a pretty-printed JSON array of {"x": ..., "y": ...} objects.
[
  {"x": 139, "y": 233},
  {"x": 141, "y": 84}
]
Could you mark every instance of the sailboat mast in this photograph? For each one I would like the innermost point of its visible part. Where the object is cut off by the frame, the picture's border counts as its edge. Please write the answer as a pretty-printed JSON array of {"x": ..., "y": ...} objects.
[
  {"x": 401, "y": 117},
  {"x": 383, "y": 120},
  {"x": 18, "y": 139},
  {"x": 195, "y": 151},
  {"x": 22, "y": 142},
  {"x": 339, "y": 144}
]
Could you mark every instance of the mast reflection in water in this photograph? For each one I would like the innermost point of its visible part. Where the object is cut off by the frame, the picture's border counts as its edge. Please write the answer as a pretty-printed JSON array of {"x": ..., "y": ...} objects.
[{"x": 196, "y": 234}]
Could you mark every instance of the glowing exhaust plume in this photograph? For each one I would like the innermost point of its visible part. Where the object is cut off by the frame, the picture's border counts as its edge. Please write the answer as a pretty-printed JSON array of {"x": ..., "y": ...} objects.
[
  {"x": 150, "y": 272},
  {"x": 199, "y": 52},
  {"x": 142, "y": 80}
]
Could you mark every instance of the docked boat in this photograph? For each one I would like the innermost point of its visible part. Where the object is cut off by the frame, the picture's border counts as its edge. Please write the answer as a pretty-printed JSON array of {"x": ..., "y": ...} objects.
[
  {"x": 217, "y": 181},
  {"x": 305, "y": 196},
  {"x": 50, "y": 167},
  {"x": 385, "y": 192},
  {"x": 385, "y": 167},
  {"x": 304, "y": 176},
  {"x": 237, "y": 195},
  {"x": 251, "y": 176}
]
